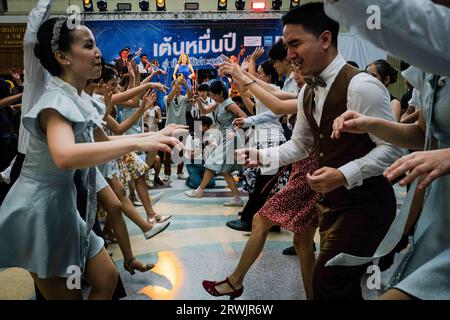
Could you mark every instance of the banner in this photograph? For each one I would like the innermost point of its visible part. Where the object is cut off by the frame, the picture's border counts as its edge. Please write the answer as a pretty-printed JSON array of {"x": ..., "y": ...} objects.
[{"x": 202, "y": 40}]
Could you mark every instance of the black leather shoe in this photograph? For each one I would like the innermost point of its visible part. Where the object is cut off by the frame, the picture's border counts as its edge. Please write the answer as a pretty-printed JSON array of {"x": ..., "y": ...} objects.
[
  {"x": 290, "y": 251},
  {"x": 239, "y": 225}
]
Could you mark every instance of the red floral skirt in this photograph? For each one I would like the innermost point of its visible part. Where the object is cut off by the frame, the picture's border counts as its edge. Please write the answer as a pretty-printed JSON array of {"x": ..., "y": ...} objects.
[{"x": 294, "y": 207}]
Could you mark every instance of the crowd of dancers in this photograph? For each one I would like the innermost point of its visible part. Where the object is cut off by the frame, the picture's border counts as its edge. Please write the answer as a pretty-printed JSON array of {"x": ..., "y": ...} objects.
[{"x": 317, "y": 141}]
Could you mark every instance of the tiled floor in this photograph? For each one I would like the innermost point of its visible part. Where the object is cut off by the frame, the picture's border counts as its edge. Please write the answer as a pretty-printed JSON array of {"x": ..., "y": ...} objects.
[{"x": 196, "y": 246}]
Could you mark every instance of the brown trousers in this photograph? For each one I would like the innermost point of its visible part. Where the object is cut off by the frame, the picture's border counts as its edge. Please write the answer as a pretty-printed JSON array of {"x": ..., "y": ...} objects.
[{"x": 354, "y": 222}]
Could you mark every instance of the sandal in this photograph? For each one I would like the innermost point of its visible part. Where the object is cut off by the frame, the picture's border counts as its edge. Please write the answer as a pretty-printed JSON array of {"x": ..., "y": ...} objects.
[
  {"x": 159, "y": 218},
  {"x": 127, "y": 265},
  {"x": 210, "y": 287}
]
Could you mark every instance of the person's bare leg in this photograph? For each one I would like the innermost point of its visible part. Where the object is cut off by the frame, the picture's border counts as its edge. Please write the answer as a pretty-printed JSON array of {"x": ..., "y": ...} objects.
[
  {"x": 107, "y": 229},
  {"x": 395, "y": 294},
  {"x": 113, "y": 207},
  {"x": 167, "y": 163},
  {"x": 180, "y": 168},
  {"x": 157, "y": 166},
  {"x": 206, "y": 177},
  {"x": 181, "y": 164},
  {"x": 151, "y": 156},
  {"x": 231, "y": 183},
  {"x": 127, "y": 207},
  {"x": 143, "y": 195},
  {"x": 303, "y": 244},
  {"x": 253, "y": 248},
  {"x": 56, "y": 288},
  {"x": 102, "y": 275},
  {"x": 132, "y": 194}
]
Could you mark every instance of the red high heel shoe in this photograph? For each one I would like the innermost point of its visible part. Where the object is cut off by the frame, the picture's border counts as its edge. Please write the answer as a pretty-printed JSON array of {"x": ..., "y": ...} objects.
[{"x": 210, "y": 287}]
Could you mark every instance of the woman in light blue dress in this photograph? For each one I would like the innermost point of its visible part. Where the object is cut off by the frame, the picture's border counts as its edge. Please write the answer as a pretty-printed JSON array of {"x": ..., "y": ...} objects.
[
  {"x": 40, "y": 228},
  {"x": 222, "y": 159},
  {"x": 425, "y": 269}
]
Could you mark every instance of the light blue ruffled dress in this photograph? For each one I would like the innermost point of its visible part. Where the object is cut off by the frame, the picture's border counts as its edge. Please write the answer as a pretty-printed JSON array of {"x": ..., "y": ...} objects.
[
  {"x": 40, "y": 227},
  {"x": 222, "y": 159},
  {"x": 424, "y": 272},
  {"x": 110, "y": 168}
]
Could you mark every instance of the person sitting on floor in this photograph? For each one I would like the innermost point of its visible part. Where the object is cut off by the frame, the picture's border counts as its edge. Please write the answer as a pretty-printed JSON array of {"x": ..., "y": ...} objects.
[{"x": 198, "y": 149}]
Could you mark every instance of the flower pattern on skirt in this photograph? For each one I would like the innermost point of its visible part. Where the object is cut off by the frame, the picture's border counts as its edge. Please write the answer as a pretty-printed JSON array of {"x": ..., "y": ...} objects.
[
  {"x": 131, "y": 167},
  {"x": 294, "y": 206}
]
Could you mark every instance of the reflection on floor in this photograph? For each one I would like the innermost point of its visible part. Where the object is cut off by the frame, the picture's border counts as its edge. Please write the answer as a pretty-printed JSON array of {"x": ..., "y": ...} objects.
[{"x": 197, "y": 246}]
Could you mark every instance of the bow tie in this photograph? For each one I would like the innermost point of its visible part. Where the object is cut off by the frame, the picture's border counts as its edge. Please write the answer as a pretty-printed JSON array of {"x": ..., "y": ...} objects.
[{"x": 314, "y": 81}]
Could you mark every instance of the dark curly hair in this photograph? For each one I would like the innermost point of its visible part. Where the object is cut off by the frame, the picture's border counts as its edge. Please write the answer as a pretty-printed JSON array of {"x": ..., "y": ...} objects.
[{"x": 43, "y": 49}]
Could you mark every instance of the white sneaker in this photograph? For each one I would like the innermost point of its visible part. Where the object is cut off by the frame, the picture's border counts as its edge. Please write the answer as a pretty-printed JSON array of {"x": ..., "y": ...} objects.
[
  {"x": 156, "y": 198},
  {"x": 157, "y": 228},
  {"x": 234, "y": 203},
  {"x": 181, "y": 176},
  {"x": 194, "y": 194},
  {"x": 166, "y": 177}
]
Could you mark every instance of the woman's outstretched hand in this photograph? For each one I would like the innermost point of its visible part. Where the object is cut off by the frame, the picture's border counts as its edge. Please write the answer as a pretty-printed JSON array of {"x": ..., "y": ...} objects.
[
  {"x": 159, "y": 142},
  {"x": 250, "y": 157},
  {"x": 228, "y": 67},
  {"x": 148, "y": 100},
  {"x": 349, "y": 121},
  {"x": 427, "y": 165},
  {"x": 108, "y": 93},
  {"x": 174, "y": 130}
]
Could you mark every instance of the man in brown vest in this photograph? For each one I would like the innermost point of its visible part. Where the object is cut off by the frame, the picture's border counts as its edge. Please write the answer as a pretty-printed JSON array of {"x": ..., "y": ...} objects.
[{"x": 358, "y": 203}]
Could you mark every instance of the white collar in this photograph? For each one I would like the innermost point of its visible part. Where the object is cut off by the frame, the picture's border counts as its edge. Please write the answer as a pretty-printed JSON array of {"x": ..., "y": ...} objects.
[{"x": 331, "y": 71}]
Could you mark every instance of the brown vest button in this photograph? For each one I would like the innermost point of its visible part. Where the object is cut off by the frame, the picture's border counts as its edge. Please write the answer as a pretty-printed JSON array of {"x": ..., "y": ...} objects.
[
  {"x": 321, "y": 154},
  {"x": 321, "y": 136}
]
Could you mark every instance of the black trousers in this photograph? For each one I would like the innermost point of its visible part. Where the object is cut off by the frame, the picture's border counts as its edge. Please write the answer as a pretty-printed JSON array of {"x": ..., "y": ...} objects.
[
  {"x": 258, "y": 197},
  {"x": 81, "y": 206}
]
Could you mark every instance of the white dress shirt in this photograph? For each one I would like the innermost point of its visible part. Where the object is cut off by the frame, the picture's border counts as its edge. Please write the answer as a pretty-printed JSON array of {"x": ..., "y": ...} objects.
[
  {"x": 265, "y": 131},
  {"x": 142, "y": 69},
  {"x": 415, "y": 31},
  {"x": 365, "y": 95},
  {"x": 264, "y": 117},
  {"x": 35, "y": 76}
]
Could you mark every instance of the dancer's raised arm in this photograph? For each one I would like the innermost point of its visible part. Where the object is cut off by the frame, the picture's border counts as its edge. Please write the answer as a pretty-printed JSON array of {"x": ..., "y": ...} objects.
[{"x": 275, "y": 104}]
